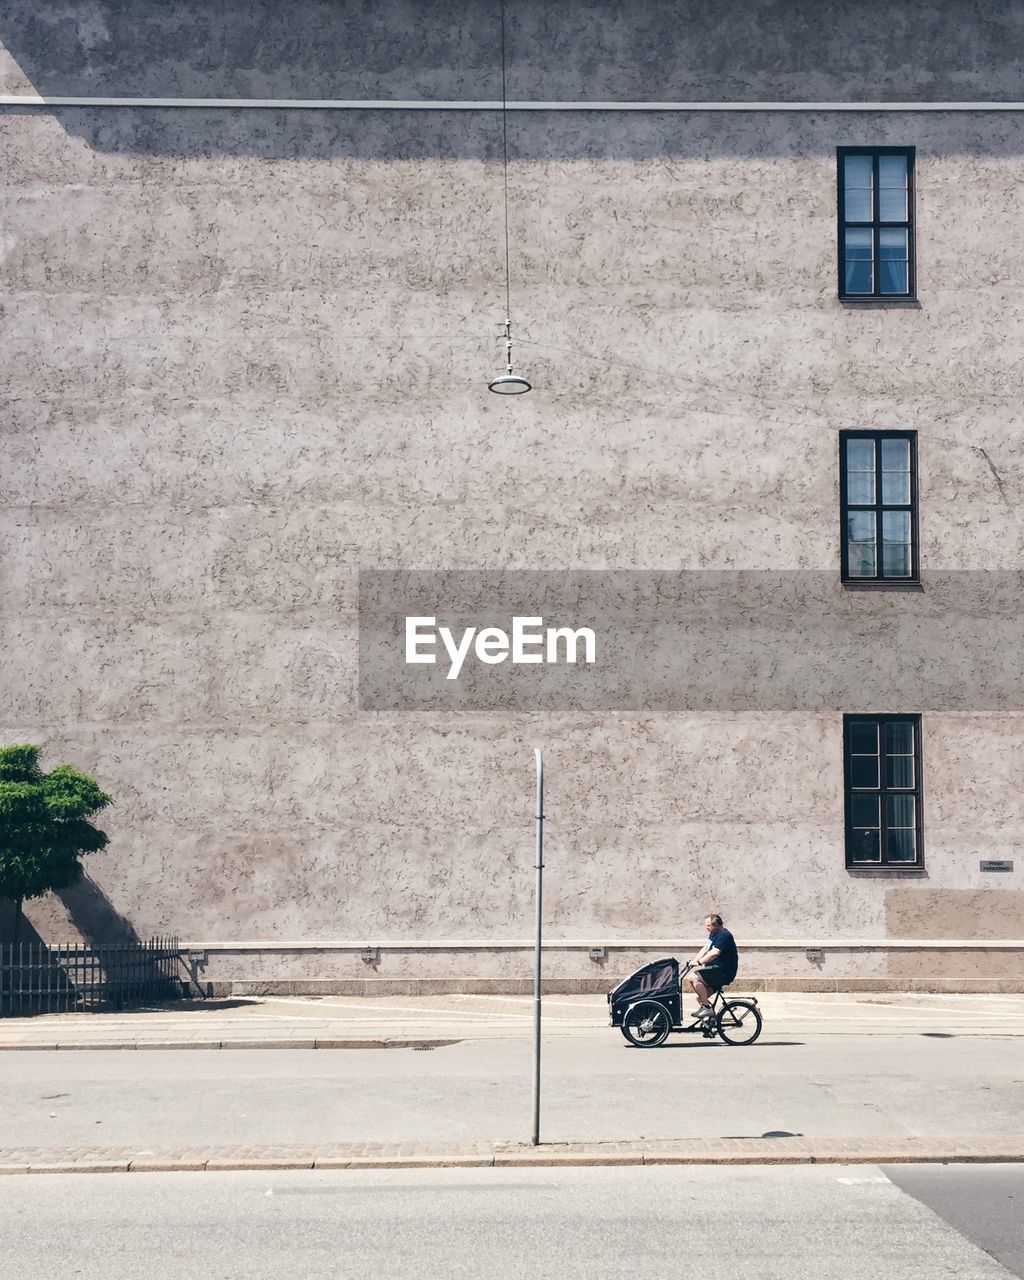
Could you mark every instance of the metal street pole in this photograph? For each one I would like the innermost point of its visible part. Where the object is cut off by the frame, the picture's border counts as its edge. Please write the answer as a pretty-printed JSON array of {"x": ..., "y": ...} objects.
[{"x": 536, "y": 955}]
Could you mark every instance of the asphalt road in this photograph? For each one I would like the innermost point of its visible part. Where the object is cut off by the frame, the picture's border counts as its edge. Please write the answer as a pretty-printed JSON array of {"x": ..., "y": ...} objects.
[
  {"x": 985, "y": 1203},
  {"x": 595, "y": 1088},
  {"x": 590, "y": 1224}
]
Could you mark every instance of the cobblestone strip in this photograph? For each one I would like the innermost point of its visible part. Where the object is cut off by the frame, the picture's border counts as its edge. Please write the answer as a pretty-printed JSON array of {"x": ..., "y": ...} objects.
[{"x": 370, "y": 1155}]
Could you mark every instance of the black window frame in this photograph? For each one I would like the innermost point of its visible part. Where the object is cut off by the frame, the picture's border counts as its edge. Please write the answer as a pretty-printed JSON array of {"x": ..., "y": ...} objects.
[
  {"x": 876, "y": 295},
  {"x": 880, "y": 578},
  {"x": 882, "y": 791}
]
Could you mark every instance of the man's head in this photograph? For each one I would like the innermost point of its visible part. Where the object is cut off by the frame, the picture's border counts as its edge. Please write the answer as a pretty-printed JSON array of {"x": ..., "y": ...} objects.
[{"x": 712, "y": 922}]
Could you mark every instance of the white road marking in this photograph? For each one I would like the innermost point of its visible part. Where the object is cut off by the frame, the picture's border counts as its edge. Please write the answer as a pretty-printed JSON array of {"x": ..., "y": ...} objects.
[{"x": 598, "y": 1003}]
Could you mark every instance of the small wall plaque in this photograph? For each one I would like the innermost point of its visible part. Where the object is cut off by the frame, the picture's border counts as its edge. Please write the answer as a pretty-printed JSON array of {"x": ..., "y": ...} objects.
[
  {"x": 815, "y": 953},
  {"x": 996, "y": 864}
]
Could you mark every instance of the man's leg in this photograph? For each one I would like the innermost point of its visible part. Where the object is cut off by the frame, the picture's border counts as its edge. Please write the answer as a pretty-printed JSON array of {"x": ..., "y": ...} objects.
[{"x": 700, "y": 988}]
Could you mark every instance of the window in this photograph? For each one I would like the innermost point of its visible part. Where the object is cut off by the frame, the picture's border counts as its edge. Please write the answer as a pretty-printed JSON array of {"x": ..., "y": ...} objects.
[
  {"x": 876, "y": 222},
  {"x": 878, "y": 506},
  {"x": 883, "y": 791}
]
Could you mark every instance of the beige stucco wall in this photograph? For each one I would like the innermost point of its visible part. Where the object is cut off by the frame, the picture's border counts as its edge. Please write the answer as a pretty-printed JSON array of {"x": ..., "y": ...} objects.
[{"x": 245, "y": 355}]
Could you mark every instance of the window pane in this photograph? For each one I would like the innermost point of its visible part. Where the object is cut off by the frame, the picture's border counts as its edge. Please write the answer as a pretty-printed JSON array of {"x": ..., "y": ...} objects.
[
  {"x": 860, "y": 455},
  {"x": 893, "y": 277},
  {"x": 860, "y": 276},
  {"x": 864, "y": 737},
  {"x": 857, "y": 186},
  {"x": 858, "y": 244},
  {"x": 892, "y": 171},
  {"x": 901, "y": 846},
  {"x": 896, "y": 560},
  {"x": 892, "y": 188},
  {"x": 860, "y": 488},
  {"x": 900, "y": 811},
  {"x": 895, "y": 455},
  {"x": 892, "y": 243},
  {"x": 899, "y": 771},
  {"x": 864, "y": 771},
  {"x": 892, "y": 205},
  {"x": 860, "y": 526},
  {"x": 896, "y": 486},
  {"x": 862, "y": 560},
  {"x": 893, "y": 274},
  {"x": 895, "y": 526},
  {"x": 899, "y": 738},
  {"x": 864, "y": 811},
  {"x": 858, "y": 170},
  {"x": 896, "y": 472},
  {"x": 861, "y": 550},
  {"x": 864, "y": 846},
  {"x": 858, "y": 205}
]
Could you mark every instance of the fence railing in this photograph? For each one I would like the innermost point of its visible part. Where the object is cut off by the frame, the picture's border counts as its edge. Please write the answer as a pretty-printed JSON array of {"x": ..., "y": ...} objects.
[{"x": 37, "y": 977}]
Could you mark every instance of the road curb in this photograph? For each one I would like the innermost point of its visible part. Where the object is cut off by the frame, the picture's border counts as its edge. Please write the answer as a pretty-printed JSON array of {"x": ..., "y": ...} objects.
[{"x": 226, "y": 1161}]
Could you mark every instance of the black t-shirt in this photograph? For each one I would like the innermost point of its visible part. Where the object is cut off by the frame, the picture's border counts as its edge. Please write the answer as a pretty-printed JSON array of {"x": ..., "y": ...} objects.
[{"x": 728, "y": 960}]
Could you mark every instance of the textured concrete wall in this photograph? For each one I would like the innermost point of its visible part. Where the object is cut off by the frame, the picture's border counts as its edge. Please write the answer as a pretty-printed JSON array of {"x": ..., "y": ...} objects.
[
  {"x": 667, "y": 49},
  {"x": 245, "y": 354}
]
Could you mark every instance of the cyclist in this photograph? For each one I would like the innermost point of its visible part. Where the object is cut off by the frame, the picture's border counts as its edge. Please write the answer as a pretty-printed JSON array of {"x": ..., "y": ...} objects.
[{"x": 715, "y": 965}]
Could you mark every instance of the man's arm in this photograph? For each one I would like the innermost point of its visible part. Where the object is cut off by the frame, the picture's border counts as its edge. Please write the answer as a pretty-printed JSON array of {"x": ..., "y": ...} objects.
[{"x": 706, "y": 954}]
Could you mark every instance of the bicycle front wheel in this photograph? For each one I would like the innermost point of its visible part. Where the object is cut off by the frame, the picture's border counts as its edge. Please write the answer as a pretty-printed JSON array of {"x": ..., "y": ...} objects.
[
  {"x": 647, "y": 1024},
  {"x": 739, "y": 1022}
]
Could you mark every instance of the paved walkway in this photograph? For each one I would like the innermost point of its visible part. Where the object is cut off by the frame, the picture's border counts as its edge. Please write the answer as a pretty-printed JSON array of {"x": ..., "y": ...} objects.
[
  {"x": 368, "y": 1155},
  {"x": 407, "y": 1021}
]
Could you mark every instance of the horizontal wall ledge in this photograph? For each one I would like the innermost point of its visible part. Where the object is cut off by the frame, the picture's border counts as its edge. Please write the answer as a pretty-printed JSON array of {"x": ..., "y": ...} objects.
[
  {"x": 618, "y": 944},
  {"x": 394, "y": 104}
]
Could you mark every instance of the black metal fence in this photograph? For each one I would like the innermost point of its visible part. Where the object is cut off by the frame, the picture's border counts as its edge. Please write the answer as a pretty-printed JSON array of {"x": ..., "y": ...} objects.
[{"x": 37, "y": 977}]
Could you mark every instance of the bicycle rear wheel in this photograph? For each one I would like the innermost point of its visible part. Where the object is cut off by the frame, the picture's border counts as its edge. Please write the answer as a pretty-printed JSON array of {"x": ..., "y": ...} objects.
[{"x": 739, "y": 1022}]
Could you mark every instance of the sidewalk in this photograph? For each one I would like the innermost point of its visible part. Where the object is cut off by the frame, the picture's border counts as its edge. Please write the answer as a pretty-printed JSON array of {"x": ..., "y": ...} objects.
[{"x": 340, "y": 1022}]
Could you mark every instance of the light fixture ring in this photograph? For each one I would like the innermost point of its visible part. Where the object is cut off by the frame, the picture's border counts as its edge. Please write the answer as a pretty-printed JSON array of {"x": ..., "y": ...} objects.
[{"x": 509, "y": 384}]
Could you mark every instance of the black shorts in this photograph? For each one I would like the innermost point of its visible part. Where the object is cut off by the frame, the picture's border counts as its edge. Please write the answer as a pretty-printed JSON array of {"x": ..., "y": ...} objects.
[{"x": 712, "y": 975}]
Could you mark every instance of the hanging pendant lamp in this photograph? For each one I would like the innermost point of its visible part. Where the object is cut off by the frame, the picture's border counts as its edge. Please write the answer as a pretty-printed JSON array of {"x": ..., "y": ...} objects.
[{"x": 508, "y": 383}]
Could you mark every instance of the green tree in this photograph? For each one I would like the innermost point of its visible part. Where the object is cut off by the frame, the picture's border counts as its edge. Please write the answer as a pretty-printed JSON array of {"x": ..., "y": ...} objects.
[{"x": 44, "y": 825}]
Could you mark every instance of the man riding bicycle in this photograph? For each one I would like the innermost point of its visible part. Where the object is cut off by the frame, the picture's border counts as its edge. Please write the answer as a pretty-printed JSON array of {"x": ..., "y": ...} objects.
[{"x": 715, "y": 965}]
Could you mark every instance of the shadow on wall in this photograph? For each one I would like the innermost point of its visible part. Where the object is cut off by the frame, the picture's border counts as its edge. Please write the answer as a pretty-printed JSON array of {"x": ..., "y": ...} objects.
[
  {"x": 411, "y": 136},
  {"x": 803, "y": 50},
  {"x": 94, "y": 916},
  {"x": 578, "y": 50},
  {"x": 123, "y": 974},
  {"x": 27, "y": 932},
  {"x": 100, "y": 924}
]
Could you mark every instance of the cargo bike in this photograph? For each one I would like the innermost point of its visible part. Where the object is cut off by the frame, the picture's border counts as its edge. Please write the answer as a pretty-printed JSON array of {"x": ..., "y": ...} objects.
[{"x": 648, "y": 1006}]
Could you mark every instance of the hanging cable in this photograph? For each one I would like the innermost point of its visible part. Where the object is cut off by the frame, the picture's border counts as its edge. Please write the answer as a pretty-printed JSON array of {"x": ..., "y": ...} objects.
[
  {"x": 504, "y": 168},
  {"x": 508, "y": 384}
]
